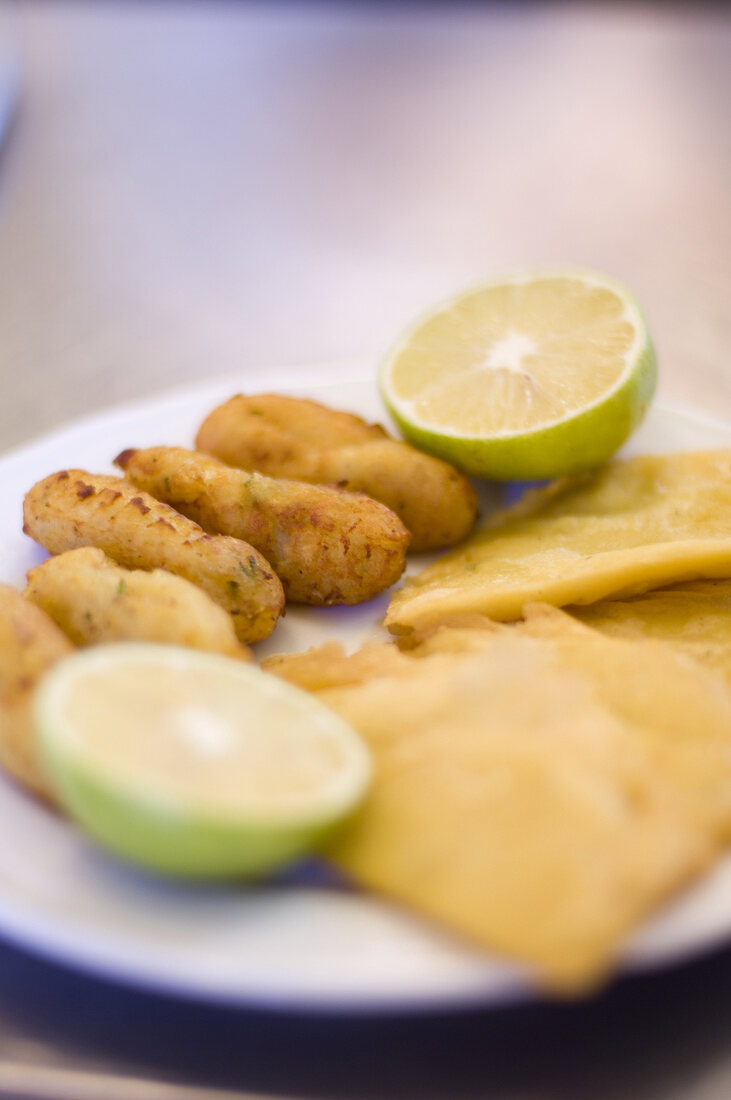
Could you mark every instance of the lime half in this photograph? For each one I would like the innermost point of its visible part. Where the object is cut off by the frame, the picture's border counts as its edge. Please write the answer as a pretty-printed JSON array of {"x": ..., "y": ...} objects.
[
  {"x": 530, "y": 376},
  {"x": 194, "y": 764}
]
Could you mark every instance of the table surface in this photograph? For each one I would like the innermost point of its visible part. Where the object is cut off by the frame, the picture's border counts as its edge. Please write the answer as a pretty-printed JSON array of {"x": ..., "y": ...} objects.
[{"x": 189, "y": 190}]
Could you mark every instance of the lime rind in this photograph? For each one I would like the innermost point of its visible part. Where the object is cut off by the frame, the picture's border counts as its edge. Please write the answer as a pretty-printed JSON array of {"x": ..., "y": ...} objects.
[
  {"x": 574, "y": 443},
  {"x": 165, "y": 840}
]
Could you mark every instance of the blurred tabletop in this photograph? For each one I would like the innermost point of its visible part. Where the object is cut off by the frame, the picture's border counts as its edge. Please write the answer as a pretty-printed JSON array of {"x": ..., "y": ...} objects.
[{"x": 196, "y": 189}]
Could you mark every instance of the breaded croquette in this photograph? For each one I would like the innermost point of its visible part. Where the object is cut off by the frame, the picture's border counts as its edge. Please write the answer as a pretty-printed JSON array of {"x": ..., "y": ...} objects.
[
  {"x": 293, "y": 438},
  {"x": 327, "y": 546},
  {"x": 73, "y": 508},
  {"x": 30, "y": 642},
  {"x": 95, "y": 600}
]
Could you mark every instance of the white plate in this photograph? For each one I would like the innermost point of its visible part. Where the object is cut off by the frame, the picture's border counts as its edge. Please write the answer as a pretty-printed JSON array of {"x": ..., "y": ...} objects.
[{"x": 301, "y": 942}]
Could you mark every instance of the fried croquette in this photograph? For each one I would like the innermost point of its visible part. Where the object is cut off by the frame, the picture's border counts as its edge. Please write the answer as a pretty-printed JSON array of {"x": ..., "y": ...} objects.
[
  {"x": 95, "y": 600},
  {"x": 30, "y": 643},
  {"x": 293, "y": 438},
  {"x": 73, "y": 508},
  {"x": 326, "y": 546}
]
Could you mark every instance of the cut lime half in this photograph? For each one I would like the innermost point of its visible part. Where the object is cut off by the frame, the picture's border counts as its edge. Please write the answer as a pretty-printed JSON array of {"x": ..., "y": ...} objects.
[
  {"x": 532, "y": 375},
  {"x": 194, "y": 764}
]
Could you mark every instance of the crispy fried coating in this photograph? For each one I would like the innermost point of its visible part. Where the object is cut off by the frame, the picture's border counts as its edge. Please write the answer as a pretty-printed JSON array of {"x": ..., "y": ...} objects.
[
  {"x": 326, "y": 546},
  {"x": 695, "y": 617},
  {"x": 538, "y": 788},
  {"x": 73, "y": 508},
  {"x": 30, "y": 642},
  {"x": 329, "y": 666},
  {"x": 95, "y": 600},
  {"x": 294, "y": 438},
  {"x": 631, "y": 526},
  {"x": 675, "y": 704}
]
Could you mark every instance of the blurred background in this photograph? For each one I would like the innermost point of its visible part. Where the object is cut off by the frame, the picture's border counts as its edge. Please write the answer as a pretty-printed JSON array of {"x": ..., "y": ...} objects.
[{"x": 195, "y": 189}]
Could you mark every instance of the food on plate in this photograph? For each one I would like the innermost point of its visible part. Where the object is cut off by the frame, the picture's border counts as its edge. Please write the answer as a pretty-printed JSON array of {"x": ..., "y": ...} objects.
[
  {"x": 537, "y": 788},
  {"x": 73, "y": 508},
  {"x": 95, "y": 600},
  {"x": 30, "y": 643},
  {"x": 290, "y": 437},
  {"x": 329, "y": 666},
  {"x": 192, "y": 764},
  {"x": 677, "y": 705},
  {"x": 325, "y": 545},
  {"x": 696, "y": 617},
  {"x": 631, "y": 526},
  {"x": 533, "y": 375}
]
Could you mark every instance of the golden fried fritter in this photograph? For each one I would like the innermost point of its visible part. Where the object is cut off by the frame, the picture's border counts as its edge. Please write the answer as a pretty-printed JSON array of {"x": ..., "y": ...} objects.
[
  {"x": 30, "y": 642},
  {"x": 327, "y": 546},
  {"x": 329, "y": 666},
  {"x": 294, "y": 438},
  {"x": 73, "y": 508},
  {"x": 633, "y": 525},
  {"x": 95, "y": 600},
  {"x": 538, "y": 788},
  {"x": 695, "y": 616}
]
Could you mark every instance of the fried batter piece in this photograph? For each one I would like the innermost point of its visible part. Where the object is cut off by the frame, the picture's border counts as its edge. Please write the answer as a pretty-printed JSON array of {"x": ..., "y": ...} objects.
[
  {"x": 631, "y": 526},
  {"x": 327, "y": 546},
  {"x": 329, "y": 666},
  {"x": 695, "y": 617},
  {"x": 73, "y": 508},
  {"x": 539, "y": 789},
  {"x": 293, "y": 438},
  {"x": 95, "y": 600},
  {"x": 30, "y": 642}
]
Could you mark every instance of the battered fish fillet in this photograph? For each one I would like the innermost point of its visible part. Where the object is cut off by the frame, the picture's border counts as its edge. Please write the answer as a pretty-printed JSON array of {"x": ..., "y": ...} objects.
[
  {"x": 95, "y": 600},
  {"x": 30, "y": 643},
  {"x": 293, "y": 438},
  {"x": 677, "y": 706},
  {"x": 696, "y": 617},
  {"x": 325, "y": 545},
  {"x": 73, "y": 508},
  {"x": 538, "y": 789},
  {"x": 631, "y": 526},
  {"x": 329, "y": 666}
]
